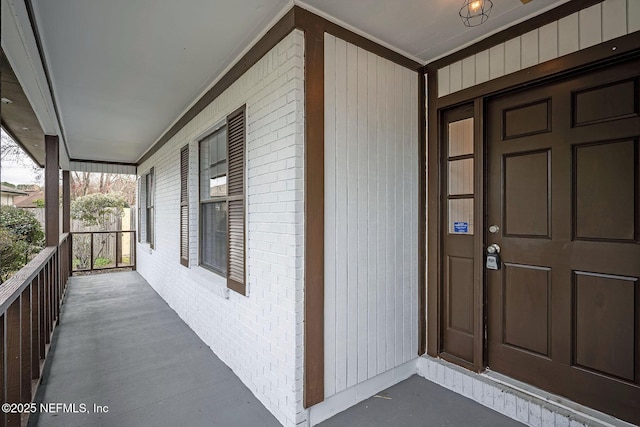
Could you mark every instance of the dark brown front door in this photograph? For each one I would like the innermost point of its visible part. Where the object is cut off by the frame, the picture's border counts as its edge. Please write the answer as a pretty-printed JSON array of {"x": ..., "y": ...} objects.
[{"x": 563, "y": 190}]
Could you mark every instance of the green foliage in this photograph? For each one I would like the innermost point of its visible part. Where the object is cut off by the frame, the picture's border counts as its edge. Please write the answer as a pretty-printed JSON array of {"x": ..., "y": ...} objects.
[
  {"x": 95, "y": 209},
  {"x": 39, "y": 203},
  {"x": 22, "y": 224},
  {"x": 12, "y": 255},
  {"x": 8, "y": 184},
  {"x": 20, "y": 237},
  {"x": 101, "y": 262}
]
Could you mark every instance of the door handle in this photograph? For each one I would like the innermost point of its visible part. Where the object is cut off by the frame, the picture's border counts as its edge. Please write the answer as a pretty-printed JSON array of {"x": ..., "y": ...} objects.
[{"x": 493, "y": 248}]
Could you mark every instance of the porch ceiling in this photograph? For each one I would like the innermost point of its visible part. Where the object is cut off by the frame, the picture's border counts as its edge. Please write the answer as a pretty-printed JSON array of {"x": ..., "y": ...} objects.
[
  {"x": 426, "y": 29},
  {"x": 124, "y": 71}
]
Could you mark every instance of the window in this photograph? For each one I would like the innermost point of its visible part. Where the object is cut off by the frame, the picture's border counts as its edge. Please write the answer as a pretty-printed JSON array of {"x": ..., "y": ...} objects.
[
  {"x": 139, "y": 213},
  {"x": 222, "y": 220},
  {"x": 213, "y": 201},
  {"x": 150, "y": 201},
  {"x": 184, "y": 206}
]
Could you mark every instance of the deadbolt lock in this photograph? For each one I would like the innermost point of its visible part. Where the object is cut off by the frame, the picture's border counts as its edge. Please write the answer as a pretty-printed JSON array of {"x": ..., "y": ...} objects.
[{"x": 493, "y": 257}]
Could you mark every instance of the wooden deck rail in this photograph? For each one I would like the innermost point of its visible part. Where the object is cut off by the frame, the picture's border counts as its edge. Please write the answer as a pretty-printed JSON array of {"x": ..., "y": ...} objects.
[
  {"x": 120, "y": 254},
  {"x": 29, "y": 311}
]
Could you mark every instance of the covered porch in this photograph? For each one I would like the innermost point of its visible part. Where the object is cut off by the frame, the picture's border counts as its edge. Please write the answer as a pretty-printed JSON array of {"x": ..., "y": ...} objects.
[{"x": 110, "y": 354}]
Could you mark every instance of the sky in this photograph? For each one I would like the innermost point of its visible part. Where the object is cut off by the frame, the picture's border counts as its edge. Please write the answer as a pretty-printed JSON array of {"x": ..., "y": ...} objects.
[{"x": 17, "y": 172}]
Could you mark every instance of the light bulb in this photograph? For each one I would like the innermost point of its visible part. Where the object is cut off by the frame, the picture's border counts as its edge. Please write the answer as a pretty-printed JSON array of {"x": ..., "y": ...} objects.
[{"x": 474, "y": 6}]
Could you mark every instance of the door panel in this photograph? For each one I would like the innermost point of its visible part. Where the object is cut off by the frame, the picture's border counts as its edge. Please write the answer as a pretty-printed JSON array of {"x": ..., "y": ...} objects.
[
  {"x": 459, "y": 264},
  {"x": 563, "y": 183}
]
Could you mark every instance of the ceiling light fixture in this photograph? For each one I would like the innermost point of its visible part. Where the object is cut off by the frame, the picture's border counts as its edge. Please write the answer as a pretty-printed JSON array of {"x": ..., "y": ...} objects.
[
  {"x": 6, "y": 100},
  {"x": 24, "y": 128},
  {"x": 475, "y": 12}
]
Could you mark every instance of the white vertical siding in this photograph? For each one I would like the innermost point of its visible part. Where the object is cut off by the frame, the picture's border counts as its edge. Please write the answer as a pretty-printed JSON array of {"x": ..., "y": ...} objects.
[
  {"x": 588, "y": 27},
  {"x": 102, "y": 167},
  {"x": 371, "y": 192}
]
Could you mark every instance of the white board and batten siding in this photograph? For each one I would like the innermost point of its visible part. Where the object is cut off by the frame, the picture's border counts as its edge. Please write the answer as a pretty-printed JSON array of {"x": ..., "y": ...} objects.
[
  {"x": 371, "y": 226},
  {"x": 117, "y": 168},
  {"x": 591, "y": 26}
]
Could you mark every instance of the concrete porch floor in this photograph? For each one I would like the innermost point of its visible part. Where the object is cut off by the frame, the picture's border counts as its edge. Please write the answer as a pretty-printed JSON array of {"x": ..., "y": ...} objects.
[{"x": 119, "y": 345}]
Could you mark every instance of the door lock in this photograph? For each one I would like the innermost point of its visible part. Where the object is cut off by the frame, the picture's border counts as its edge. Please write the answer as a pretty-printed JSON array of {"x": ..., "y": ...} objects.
[{"x": 493, "y": 257}]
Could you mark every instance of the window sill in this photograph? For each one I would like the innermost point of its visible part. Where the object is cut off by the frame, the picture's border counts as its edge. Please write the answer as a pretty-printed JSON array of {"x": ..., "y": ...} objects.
[{"x": 213, "y": 280}]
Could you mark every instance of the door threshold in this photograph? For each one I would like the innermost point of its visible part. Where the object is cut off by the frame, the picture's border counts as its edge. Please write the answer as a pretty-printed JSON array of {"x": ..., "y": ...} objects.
[{"x": 515, "y": 399}]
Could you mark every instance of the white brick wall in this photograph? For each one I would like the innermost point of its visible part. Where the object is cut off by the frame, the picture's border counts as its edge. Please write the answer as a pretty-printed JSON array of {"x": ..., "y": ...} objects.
[{"x": 259, "y": 336}]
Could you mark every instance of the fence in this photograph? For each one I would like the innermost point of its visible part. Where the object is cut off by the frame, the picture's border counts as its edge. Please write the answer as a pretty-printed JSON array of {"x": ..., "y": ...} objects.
[{"x": 102, "y": 250}]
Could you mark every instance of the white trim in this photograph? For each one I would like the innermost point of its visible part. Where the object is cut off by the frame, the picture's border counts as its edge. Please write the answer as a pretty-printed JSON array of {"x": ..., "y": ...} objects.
[
  {"x": 362, "y": 391},
  {"x": 494, "y": 391}
]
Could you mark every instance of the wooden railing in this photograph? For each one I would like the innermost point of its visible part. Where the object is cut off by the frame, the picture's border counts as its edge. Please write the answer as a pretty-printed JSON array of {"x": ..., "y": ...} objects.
[
  {"x": 103, "y": 250},
  {"x": 29, "y": 311}
]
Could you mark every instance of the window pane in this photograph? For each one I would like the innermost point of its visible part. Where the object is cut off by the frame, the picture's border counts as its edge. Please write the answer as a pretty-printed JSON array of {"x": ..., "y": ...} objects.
[
  {"x": 461, "y": 216},
  {"x": 213, "y": 239},
  {"x": 461, "y": 176},
  {"x": 461, "y": 137},
  {"x": 213, "y": 165}
]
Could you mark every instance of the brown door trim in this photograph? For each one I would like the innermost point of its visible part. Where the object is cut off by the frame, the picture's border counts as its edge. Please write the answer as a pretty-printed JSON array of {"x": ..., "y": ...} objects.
[
  {"x": 478, "y": 249},
  {"x": 422, "y": 214},
  {"x": 433, "y": 214},
  {"x": 595, "y": 56}
]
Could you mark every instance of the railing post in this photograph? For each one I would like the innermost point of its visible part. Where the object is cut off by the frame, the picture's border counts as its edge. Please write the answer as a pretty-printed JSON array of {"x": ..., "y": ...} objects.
[
  {"x": 91, "y": 252},
  {"x": 3, "y": 373},
  {"x": 70, "y": 256},
  {"x": 35, "y": 328},
  {"x": 49, "y": 298},
  {"x": 25, "y": 345},
  {"x": 13, "y": 393},
  {"x": 134, "y": 253},
  {"x": 43, "y": 313},
  {"x": 117, "y": 246}
]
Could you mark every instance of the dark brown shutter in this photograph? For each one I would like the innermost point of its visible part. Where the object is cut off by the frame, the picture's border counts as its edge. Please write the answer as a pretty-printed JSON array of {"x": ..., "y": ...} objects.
[
  {"x": 236, "y": 131},
  {"x": 151, "y": 202},
  {"x": 139, "y": 208},
  {"x": 184, "y": 206}
]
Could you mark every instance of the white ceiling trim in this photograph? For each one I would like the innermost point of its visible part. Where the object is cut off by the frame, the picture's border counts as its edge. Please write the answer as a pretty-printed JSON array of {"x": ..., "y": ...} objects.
[
  {"x": 499, "y": 29},
  {"x": 358, "y": 31},
  {"x": 21, "y": 50},
  {"x": 260, "y": 35}
]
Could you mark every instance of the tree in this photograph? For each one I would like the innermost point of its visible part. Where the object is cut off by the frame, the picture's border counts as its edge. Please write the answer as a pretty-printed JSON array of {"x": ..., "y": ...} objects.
[
  {"x": 96, "y": 209},
  {"x": 21, "y": 236},
  {"x": 84, "y": 183},
  {"x": 10, "y": 151}
]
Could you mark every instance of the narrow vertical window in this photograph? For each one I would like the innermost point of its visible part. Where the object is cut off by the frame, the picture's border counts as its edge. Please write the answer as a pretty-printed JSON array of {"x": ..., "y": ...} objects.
[
  {"x": 236, "y": 224},
  {"x": 213, "y": 201},
  {"x": 184, "y": 206},
  {"x": 150, "y": 195},
  {"x": 139, "y": 209}
]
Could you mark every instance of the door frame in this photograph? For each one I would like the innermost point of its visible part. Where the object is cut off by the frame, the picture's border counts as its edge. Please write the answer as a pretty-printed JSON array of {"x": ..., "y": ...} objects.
[{"x": 606, "y": 53}]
